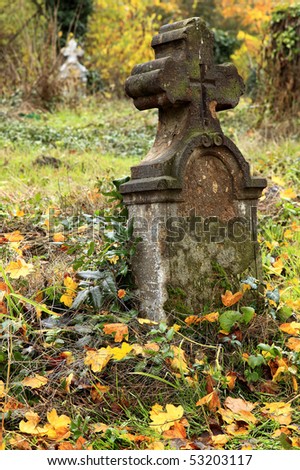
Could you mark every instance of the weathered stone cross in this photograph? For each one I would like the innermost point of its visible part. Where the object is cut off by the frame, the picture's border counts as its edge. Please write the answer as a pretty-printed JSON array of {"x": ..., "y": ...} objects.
[{"x": 192, "y": 197}]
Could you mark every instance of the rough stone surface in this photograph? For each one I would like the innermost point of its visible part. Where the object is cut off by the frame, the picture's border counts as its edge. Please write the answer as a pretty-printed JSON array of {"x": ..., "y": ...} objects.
[{"x": 192, "y": 198}]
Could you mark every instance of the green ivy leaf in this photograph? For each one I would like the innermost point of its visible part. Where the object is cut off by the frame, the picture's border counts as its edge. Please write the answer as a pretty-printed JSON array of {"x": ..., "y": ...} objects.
[
  {"x": 256, "y": 361},
  {"x": 228, "y": 319},
  {"x": 248, "y": 314}
]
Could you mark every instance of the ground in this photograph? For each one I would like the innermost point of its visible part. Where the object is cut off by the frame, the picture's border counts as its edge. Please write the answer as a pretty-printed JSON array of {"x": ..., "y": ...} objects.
[{"x": 79, "y": 367}]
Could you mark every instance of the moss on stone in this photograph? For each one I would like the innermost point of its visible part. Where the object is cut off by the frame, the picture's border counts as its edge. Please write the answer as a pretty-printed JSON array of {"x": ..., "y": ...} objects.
[{"x": 177, "y": 302}]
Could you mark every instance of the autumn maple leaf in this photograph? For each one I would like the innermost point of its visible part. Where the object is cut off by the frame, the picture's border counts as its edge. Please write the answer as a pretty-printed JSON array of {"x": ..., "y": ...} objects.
[
  {"x": 229, "y": 299},
  {"x": 19, "y": 268},
  {"x": 162, "y": 420},
  {"x": 37, "y": 381},
  {"x": 120, "y": 330}
]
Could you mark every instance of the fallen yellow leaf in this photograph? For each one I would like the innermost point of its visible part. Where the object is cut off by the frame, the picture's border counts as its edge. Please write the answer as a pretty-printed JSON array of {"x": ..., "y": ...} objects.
[
  {"x": 277, "y": 266},
  {"x": 236, "y": 429},
  {"x": 68, "y": 382},
  {"x": 119, "y": 353},
  {"x": 37, "y": 381},
  {"x": 59, "y": 237},
  {"x": 288, "y": 234},
  {"x": 2, "y": 389},
  {"x": 97, "y": 359},
  {"x": 192, "y": 319},
  {"x": 178, "y": 362},
  {"x": 278, "y": 411},
  {"x": 19, "y": 268},
  {"x": 288, "y": 194},
  {"x": 211, "y": 317},
  {"x": 31, "y": 425},
  {"x": 146, "y": 321},
  {"x": 14, "y": 236},
  {"x": 292, "y": 328},
  {"x": 113, "y": 259},
  {"x": 220, "y": 440},
  {"x": 231, "y": 379},
  {"x": 71, "y": 286},
  {"x": 162, "y": 420},
  {"x": 293, "y": 344},
  {"x": 58, "y": 427},
  {"x": 156, "y": 445}
]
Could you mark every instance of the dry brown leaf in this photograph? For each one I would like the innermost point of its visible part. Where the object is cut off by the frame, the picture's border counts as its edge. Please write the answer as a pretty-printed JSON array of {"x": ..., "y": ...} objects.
[
  {"x": 211, "y": 400},
  {"x": 19, "y": 442},
  {"x": 3, "y": 308},
  {"x": 235, "y": 429},
  {"x": 69, "y": 446},
  {"x": 37, "y": 381},
  {"x": 120, "y": 330},
  {"x": 282, "y": 430},
  {"x": 4, "y": 288},
  {"x": 231, "y": 379},
  {"x": 177, "y": 431},
  {"x": 100, "y": 427},
  {"x": 11, "y": 404},
  {"x": 229, "y": 299},
  {"x": 151, "y": 347},
  {"x": 238, "y": 404},
  {"x": 98, "y": 391},
  {"x": 238, "y": 409}
]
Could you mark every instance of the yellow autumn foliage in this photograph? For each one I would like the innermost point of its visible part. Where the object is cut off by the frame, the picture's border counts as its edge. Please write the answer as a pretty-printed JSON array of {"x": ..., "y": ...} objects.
[{"x": 120, "y": 35}]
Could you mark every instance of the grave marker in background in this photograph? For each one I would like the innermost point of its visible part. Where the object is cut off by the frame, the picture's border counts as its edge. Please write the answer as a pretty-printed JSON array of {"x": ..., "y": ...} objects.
[
  {"x": 192, "y": 198},
  {"x": 72, "y": 73}
]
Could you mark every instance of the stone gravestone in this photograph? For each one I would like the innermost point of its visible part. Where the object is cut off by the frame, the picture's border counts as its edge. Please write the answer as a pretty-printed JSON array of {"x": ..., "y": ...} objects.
[
  {"x": 72, "y": 73},
  {"x": 192, "y": 198}
]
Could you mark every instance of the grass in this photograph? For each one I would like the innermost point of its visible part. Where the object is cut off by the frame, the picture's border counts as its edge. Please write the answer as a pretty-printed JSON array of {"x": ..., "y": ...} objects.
[{"x": 56, "y": 169}]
